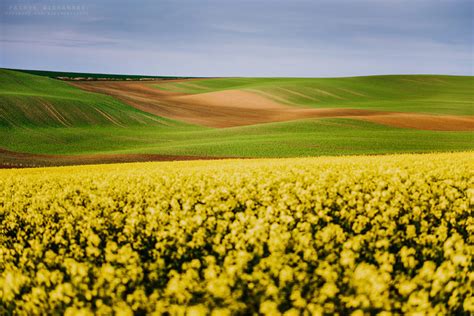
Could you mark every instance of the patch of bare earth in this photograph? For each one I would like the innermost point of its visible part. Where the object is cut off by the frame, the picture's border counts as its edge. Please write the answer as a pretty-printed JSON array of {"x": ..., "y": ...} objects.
[
  {"x": 424, "y": 121},
  {"x": 12, "y": 159},
  {"x": 230, "y": 108}
]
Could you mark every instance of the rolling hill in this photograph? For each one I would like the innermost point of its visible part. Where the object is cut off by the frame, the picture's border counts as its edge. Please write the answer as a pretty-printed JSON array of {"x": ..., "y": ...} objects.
[
  {"x": 420, "y": 102},
  {"x": 406, "y": 93},
  {"x": 34, "y": 101},
  {"x": 45, "y": 121}
]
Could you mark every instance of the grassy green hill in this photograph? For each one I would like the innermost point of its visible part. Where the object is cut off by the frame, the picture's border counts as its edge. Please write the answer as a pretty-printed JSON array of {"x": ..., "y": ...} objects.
[
  {"x": 47, "y": 116},
  {"x": 405, "y": 93},
  {"x": 34, "y": 101}
]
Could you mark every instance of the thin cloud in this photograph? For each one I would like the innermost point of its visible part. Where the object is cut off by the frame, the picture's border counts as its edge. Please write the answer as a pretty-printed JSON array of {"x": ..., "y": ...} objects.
[{"x": 245, "y": 38}]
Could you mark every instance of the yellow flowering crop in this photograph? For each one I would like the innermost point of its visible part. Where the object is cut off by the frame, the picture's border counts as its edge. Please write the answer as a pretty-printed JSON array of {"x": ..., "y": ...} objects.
[{"x": 361, "y": 235}]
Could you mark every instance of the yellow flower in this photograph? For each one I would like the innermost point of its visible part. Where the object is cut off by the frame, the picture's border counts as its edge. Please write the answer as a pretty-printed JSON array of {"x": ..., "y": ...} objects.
[{"x": 330, "y": 235}]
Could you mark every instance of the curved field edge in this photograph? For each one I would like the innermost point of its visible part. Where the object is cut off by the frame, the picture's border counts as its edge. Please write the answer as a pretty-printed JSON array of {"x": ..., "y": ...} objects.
[
  {"x": 288, "y": 139},
  {"x": 305, "y": 235},
  {"x": 438, "y": 94}
]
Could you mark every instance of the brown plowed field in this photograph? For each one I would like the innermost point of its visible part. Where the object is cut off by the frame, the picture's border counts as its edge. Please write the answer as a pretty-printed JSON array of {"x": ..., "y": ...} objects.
[
  {"x": 11, "y": 159},
  {"x": 424, "y": 121},
  {"x": 237, "y": 108}
]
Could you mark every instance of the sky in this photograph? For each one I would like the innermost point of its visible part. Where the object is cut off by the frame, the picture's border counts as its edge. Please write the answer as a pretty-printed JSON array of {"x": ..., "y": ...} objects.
[{"x": 255, "y": 38}]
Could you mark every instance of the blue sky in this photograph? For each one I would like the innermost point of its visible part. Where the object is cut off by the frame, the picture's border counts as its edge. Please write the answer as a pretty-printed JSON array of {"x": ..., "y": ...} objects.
[{"x": 296, "y": 38}]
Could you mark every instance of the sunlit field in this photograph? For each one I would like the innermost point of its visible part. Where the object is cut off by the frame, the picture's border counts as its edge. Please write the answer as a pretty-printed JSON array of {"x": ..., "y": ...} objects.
[{"x": 365, "y": 234}]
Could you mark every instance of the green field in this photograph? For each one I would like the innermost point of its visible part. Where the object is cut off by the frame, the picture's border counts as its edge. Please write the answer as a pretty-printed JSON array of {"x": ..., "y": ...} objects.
[
  {"x": 287, "y": 139},
  {"x": 47, "y": 116},
  {"x": 404, "y": 93}
]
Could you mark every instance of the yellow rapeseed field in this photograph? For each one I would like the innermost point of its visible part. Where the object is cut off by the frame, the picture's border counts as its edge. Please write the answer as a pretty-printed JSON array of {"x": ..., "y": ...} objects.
[{"x": 363, "y": 235}]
